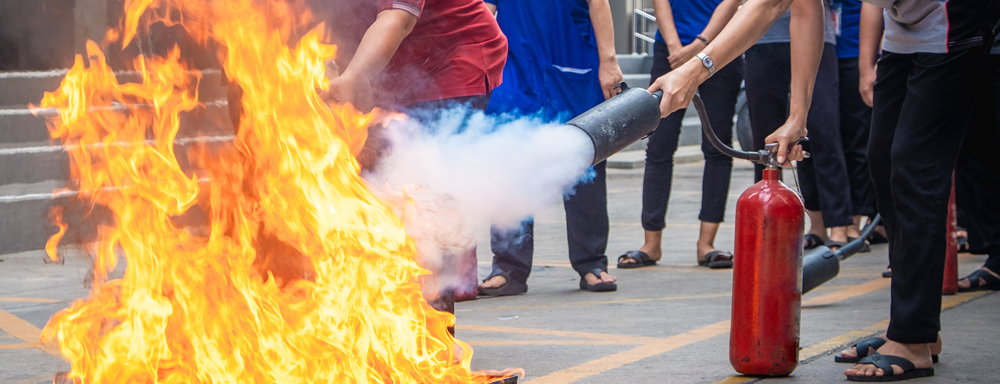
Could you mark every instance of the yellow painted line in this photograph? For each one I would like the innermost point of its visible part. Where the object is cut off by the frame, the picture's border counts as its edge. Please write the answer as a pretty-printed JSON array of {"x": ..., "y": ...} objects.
[
  {"x": 853, "y": 291},
  {"x": 837, "y": 342},
  {"x": 552, "y": 342},
  {"x": 594, "y": 367},
  {"x": 25, "y": 331},
  {"x": 35, "y": 379},
  {"x": 623, "y": 339},
  {"x": 602, "y": 302},
  {"x": 27, "y": 300},
  {"x": 19, "y": 346},
  {"x": 735, "y": 380}
]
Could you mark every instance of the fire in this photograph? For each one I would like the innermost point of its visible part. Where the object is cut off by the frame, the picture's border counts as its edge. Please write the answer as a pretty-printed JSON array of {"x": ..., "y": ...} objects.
[{"x": 299, "y": 275}]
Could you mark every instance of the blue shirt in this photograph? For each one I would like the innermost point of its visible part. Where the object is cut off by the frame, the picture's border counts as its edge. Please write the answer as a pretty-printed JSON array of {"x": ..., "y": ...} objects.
[
  {"x": 552, "y": 61},
  {"x": 850, "y": 19},
  {"x": 690, "y": 18}
]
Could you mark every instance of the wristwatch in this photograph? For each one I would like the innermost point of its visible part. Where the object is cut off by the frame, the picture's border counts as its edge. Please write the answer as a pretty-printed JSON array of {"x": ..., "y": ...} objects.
[{"x": 707, "y": 62}]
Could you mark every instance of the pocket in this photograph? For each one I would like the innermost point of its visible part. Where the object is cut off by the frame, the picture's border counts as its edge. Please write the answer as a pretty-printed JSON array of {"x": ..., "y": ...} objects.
[{"x": 572, "y": 90}]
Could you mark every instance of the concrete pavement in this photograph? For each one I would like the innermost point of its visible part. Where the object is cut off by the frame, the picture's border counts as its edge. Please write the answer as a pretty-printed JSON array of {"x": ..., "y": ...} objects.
[{"x": 667, "y": 323}]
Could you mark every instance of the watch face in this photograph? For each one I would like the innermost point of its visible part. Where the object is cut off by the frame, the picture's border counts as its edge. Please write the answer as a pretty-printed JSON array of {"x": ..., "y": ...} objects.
[{"x": 708, "y": 62}]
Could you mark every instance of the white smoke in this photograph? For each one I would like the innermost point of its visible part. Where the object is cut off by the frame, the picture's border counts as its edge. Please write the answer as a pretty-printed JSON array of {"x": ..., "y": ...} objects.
[{"x": 466, "y": 170}]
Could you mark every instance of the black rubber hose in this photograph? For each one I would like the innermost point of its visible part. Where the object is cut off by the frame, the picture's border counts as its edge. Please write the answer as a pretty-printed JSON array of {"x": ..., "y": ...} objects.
[
  {"x": 853, "y": 247},
  {"x": 706, "y": 127}
]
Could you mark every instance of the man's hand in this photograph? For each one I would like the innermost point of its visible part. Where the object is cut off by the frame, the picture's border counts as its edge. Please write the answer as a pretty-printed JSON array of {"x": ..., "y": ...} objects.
[
  {"x": 866, "y": 84},
  {"x": 679, "y": 57},
  {"x": 785, "y": 136},
  {"x": 678, "y": 87},
  {"x": 348, "y": 89},
  {"x": 609, "y": 74}
]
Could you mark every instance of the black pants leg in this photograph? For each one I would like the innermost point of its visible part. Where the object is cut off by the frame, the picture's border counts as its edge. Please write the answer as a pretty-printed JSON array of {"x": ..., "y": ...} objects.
[
  {"x": 923, "y": 103},
  {"x": 513, "y": 250},
  {"x": 855, "y": 125},
  {"x": 719, "y": 94},
  {"x": 587, "y": 222},
  {"x": 823, "y": 178}
]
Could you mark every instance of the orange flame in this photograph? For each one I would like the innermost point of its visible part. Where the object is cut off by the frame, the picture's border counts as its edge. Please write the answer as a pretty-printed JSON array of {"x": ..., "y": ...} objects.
[
  {"x": 300, "y": 276},
  {"x": 52, "y": 244}
]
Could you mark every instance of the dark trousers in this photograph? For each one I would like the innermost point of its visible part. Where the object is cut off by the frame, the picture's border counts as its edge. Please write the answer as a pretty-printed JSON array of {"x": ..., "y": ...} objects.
[
  {"x": 823, "y": 178},
  {"x": 855, "y": 126},
  {"x": 977, "y": 173},
  {"x": 586, "y": 232},
  {"x": 719, "y": 94},
  {"x": 923, "y": 104}
]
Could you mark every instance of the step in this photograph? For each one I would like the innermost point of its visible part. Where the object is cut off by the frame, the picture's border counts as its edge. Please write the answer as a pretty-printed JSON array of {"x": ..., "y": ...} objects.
[
  {"x": 635, "y": 64},
  {"x": 22, "y": 88}
]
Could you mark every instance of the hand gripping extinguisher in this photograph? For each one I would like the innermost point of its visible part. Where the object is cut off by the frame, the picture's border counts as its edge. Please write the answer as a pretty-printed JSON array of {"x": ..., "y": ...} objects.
[{"x": 767, "y": 293}]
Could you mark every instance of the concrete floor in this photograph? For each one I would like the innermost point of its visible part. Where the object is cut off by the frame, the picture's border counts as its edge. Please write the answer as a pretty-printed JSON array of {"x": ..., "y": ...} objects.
[{"x": 668, "y": 323}]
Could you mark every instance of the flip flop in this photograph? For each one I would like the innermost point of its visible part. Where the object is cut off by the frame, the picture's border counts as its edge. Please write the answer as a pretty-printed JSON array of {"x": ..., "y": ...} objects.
[
  {"x": 811, "y": 241},
  {"x": 885, "y": 362},
  {"x": 599, "y": 287},
  {"x": 874, "y": 342},
  {"x": 718, "y": 259},
  {"x": 509, "y": 288},
  {"x": 992, "y": 283},
  {"x": 641, "y": 260},
  {"x": 834, "y": 244}
]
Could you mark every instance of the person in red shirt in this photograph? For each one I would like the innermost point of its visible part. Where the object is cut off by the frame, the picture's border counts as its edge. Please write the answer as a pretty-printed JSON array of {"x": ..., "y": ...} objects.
[{"x": 416, "y": 53}]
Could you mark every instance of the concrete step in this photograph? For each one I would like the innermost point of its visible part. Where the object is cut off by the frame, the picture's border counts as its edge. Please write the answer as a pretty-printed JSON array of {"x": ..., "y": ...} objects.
[
  {"x": 635, "y": 64},
  {"x": 21, "y": 88}
]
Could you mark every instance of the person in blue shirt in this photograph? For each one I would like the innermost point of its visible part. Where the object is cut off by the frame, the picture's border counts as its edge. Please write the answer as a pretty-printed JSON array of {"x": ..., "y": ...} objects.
[
  {"x": 560, "y": 63},
  {"x": 684, "y": 30}
]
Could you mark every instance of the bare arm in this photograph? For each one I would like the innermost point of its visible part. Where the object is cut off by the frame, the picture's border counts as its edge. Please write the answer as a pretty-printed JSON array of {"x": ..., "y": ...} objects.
[
  {"x": 377, "y": 47},
  {"x": 869, "y": 41},
  {"x": 492, "y": 8},
  {"x": 609, "y": 73},
  {"x": 720, "y": 17},
  {"x": 665, "y": 23},
  {"x": 746, "y": 27}
]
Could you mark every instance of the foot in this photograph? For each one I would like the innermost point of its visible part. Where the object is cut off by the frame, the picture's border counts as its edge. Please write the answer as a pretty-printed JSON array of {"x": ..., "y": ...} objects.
[
  {"x": 603, "y": 278},
  {"x": 493, "y": 282},
  {"x": 919, "y": 354},
  {"x": 705, "y": 249},
  {"x": 851, "y": 352},
  {"x": 838, "y": 235},
  {"x": 654, "y": 252},
  {"x": 965, "y": 283}
]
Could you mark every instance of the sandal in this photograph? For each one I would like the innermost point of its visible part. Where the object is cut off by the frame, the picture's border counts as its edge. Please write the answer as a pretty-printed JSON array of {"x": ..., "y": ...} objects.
[
  {"x": 877, "y": 238},
  {"x": 834, "y": 245},
  {"x": 811, "y": 240},
  {"x": 509, "y": 288},
  {"x": 992, "y": 283},
  {"x": 640, "y": 258},
  {"x": 599, "y": 287},
  {"x": 874, "y": 342},
  {"x": 885, "y": 362},
  {"x": 718, "y": 259}
]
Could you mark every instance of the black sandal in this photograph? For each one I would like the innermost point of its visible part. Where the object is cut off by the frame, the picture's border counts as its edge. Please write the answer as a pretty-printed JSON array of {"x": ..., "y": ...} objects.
[
  {"x": 811, "y": 240},
  {"x": 861, "y": 348},
  {"x": 599, "y": 287},
  {"x": 718, "y": 259},
  {"x": 509, "y": 288},
  {"x": 885, "y": 362},
  {"x": 640, "y": 259},
  {"x": 992, "y": 283}
]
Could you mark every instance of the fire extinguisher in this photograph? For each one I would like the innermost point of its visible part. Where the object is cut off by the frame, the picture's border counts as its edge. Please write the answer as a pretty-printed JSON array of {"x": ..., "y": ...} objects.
[{"x": 767, "y": 293}]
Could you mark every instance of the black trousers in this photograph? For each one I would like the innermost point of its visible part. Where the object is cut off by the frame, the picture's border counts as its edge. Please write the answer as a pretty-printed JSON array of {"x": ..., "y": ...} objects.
[
  {"x": 923, "y": 105},
  {"x": 719, "y": 94},
  {"x": 977, "y": 173},
  {"x": 855, "y": 126},
  {"x": 586, "y": 232},
  {"x": 823, "y": 178}
]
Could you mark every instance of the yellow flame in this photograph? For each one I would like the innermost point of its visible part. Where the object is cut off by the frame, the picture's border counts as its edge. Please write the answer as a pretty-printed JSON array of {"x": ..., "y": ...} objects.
[{"x": 300, "y": 275}]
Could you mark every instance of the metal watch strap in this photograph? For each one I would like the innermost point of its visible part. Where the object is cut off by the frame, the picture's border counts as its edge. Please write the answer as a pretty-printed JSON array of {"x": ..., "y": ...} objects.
[{"x": 707, "y": 62}]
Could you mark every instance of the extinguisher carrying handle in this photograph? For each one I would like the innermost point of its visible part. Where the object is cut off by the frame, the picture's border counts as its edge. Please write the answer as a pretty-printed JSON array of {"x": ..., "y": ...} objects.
[{"x": 766, "y": 157}]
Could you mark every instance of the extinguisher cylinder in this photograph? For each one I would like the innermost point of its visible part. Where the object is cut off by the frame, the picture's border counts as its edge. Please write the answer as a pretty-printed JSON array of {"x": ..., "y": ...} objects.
[{"x": 767, "y": 294}]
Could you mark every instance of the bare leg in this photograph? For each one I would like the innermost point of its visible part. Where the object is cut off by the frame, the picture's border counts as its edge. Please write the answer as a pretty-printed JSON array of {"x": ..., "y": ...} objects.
[
  {"x": 855, "y": 230},
  {"x": 706, "y": 239},
  {"x": 816, "y": 225}
]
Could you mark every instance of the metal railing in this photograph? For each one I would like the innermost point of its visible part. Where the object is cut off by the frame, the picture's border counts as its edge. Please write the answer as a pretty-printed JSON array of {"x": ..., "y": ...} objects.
[{"x": 643, "y": 38}]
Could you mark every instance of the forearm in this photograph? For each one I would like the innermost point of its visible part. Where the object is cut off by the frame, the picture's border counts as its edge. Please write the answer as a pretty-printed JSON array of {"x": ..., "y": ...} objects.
[
  {"x": 869, "y": 36},
  {"x": 604, "y": 32},
  {"x": 806, "y": 30},
  {"x": 720, "y": 17},
  {"x": 380, "y": 43},
  {"x": 665, "y": 23}
]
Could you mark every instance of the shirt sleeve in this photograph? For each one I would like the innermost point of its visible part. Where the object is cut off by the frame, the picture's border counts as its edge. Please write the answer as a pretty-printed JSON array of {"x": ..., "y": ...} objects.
[{"x": 413, "y": 7}]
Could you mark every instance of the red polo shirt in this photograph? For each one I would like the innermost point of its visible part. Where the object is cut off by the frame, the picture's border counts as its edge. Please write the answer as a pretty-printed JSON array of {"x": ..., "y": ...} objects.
[{"x": 456, "y": 49}]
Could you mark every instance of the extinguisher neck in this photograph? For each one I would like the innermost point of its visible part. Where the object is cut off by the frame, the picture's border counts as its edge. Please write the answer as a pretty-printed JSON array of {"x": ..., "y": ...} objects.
[{"x": 771, "y": 173}]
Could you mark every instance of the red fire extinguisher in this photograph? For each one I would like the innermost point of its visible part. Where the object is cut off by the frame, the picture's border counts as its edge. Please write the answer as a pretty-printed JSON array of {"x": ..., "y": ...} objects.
[{"x": 767, "y": 275}]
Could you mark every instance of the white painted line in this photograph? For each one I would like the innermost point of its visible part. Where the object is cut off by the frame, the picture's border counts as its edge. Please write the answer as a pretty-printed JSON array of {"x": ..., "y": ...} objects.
[
  {"x": 115, "y": 107},
  {"x": 63, "y": 72},
  {"x": 58, "y": 194},
  {"x": 61, "y": 148}
]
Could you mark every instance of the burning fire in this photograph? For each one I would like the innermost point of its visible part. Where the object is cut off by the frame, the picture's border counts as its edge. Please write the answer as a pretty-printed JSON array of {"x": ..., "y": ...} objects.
[{"x": 299, "y": 276}]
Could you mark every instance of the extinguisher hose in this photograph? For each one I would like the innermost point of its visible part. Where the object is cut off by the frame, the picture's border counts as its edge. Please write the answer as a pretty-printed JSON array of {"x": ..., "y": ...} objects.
[
  {"x": 706, "y": 127},
  {"x": 853, "y": 247}
]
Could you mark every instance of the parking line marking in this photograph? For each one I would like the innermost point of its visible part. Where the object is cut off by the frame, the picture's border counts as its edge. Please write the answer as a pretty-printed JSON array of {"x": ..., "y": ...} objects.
[
  {"x": 602, "y": 302},
  {"x": 616, "y": 360},
  {"x": 18, "y": 346},
  {"x": 737, "y": 380},
  {"x": 852, "y": 291},
  {"x": 623, "y": 339},
  {"x": 27, "y": 300},
  {"x": 551, "y": 342},
  {"x": 25, "y": 331}
]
